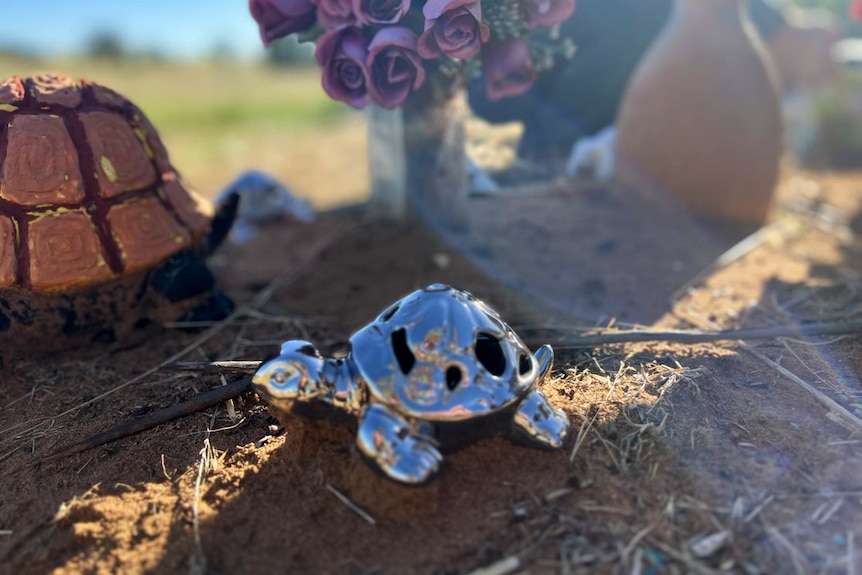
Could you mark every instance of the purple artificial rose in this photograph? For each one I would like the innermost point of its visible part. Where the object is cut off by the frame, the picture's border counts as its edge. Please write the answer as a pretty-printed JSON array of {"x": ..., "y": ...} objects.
[
  {"x": 454, "y": 28},
  {"x": 507, "y": 67},
  {"x": 279, "y": 18},
  {"x": 380, "y": 11},
  {"x": 335, "y": 13},
  {"x": 546, "y": 12},
  {"x": 342, "y": 53},
  {"x": 394, "y": 66}
]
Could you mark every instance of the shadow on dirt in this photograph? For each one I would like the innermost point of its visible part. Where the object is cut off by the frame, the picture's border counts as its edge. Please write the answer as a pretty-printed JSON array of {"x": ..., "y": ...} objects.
[{"x": 676, "y": 443}]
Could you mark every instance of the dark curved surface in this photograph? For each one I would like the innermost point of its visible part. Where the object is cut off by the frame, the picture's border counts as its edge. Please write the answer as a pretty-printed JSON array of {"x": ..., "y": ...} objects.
[{"x": 580, "y": 97}]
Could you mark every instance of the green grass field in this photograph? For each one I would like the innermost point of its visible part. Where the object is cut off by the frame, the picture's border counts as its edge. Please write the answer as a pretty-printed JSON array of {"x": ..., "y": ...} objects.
[{"x": 218, "y": 119}]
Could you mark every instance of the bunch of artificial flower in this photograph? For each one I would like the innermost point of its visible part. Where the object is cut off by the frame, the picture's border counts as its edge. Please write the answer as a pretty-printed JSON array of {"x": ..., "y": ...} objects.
[{"x": 382, "y": 50}]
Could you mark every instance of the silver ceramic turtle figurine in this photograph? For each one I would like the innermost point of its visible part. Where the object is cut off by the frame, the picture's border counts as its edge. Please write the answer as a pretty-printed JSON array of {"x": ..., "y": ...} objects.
[{"x": 436, "y": 368}]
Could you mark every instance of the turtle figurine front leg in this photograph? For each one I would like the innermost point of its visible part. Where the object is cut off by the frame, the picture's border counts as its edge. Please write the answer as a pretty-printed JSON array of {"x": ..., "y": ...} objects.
[
  {"x": 184, "y": 277},
  {"x": 536, "y": 420},
  {"x": 401, "y": 449}
]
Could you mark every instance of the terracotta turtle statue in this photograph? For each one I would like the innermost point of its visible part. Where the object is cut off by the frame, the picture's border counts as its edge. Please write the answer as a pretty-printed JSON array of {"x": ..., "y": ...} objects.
[
  {"x": 99, "y": 234},
  {"x": 436, "y": 369}
]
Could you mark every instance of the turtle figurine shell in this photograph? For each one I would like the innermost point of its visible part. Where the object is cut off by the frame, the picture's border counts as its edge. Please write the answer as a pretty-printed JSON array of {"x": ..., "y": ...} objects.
[{"x": 99, "y": 235}]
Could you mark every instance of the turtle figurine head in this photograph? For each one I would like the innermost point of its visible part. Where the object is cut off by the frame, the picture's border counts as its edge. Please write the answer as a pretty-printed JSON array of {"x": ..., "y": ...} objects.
[
  {"x": 297, "y": 372},
  {"x": 437, "y": 358}
]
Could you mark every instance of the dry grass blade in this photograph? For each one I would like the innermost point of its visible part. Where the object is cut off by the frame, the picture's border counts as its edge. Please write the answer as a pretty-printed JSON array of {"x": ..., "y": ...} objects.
[
  {"x": 638, "y": 537},
  {"x": 836, "y": 410},
  {"x": 351, "y": 505},
  {"x": 203, "y": 338},
  {"x": 839, "y": 411},
  {"x": 261, "y": 299},
  {"x": 796, "y": 557},
  {"x": 582, "y": 436},
  {"x": 206, "y": 464},
  {"x": 691, "y": 564},
  {"x": 503, "y": 567},
  {"x": 577, "y": 341}
]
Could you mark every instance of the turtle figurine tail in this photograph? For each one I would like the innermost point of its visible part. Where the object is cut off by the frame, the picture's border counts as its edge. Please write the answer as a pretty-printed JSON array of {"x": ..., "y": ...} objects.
[
  {"x": 185, "y": 276},
  {"x": 227, "y": 209}
]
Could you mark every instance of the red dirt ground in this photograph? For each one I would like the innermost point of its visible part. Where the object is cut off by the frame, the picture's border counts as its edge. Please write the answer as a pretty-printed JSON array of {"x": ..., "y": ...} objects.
[{"x": 687, "y": 458}]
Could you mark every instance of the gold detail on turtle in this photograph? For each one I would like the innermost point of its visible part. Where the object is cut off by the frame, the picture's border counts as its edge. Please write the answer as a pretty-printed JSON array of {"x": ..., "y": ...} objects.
[
  {"x": 110, "y": 135},
  {"x": 7, "y": 108},
  {"x": 108, "y": 168},
  {"x": 142, "y": 136}
]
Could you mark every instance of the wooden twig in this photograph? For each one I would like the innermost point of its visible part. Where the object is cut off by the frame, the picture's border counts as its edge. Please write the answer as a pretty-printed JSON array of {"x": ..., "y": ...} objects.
[
  {"x": 225, "y": 367},
  {"x": 237, "y": 388},
  {"x": 576, "y": 341},
  {"x": 203, "y": 401},
  {"x": 261, "y": 299}
]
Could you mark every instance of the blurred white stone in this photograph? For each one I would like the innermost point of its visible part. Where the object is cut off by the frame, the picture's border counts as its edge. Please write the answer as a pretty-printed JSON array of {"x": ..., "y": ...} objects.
[
  {"x": 848, "y": 53},
  {"x": 263, "y": 199},
  {"x": 799, "y": 110},
  {"x": 481, "y": 181},
  {"x": 594, "y": 156},
  {"x": 707, "y": 546}
]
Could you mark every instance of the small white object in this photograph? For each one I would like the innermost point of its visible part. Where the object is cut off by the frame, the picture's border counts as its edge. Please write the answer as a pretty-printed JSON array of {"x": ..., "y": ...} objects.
[
  {"x": 481, "y": 182},
  {"x": 504, "y": 567},
  {"x": 441, "y": 260},
  {"x": 594, "y": 155},
  {"x": 799, "y": 110},
  {"x": 263, "y": 199},
  {"x": 709, "y": 545},
  {"x": 848, "y": 52}
]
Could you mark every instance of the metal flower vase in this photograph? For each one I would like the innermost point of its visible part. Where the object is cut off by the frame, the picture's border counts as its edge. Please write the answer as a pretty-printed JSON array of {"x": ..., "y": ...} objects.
[{"x": 417, "y": 157}]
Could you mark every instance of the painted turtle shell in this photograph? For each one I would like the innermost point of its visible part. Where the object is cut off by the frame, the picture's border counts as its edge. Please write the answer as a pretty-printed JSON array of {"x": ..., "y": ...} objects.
[{"x": 90, "y": 207}]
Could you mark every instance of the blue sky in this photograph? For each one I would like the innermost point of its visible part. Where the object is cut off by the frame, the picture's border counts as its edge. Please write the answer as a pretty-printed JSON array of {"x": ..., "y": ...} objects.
[{"x": 182, "y": 28}]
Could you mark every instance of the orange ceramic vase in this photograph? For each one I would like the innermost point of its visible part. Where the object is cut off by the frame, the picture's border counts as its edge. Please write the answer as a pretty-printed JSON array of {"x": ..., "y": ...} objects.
[{"x": 701, "y": 119}]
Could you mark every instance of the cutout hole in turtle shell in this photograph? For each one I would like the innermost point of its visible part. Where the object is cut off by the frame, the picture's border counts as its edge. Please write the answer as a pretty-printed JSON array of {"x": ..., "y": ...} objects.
[
  {"x": 490, "y": 354},
  {"x": 308, "y": 350},
  {"x": 525, "y": 364},
  {"x": 405, "y": 357},
  {"x": 453, "y": 377},
  {"x": 387, "y": 315}
]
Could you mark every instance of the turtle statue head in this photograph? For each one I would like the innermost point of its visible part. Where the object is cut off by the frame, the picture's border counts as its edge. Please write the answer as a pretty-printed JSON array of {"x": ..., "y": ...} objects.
[{"x": 297, "y": 371}]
